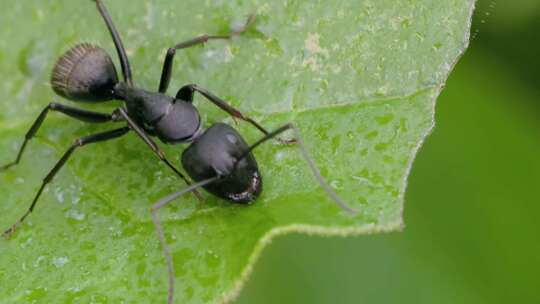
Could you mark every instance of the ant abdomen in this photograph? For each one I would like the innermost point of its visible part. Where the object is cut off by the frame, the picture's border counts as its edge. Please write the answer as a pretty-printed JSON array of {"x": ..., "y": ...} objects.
[{"x": 85, "y": 73}]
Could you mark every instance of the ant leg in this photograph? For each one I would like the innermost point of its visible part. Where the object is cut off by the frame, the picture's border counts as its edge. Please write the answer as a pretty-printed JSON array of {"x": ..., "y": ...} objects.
[
  {"x": 189, "y": 89},
  {"x": 168, "y": 63},
  {"x": 94, "y": 138},
  {"x": 126, "y": 69},
  {"x": 308, "y": 159},
  {"x": 79, "y": 114},
  {"x": 161, "y": 235},
  {"x": 142, "y": 134}
]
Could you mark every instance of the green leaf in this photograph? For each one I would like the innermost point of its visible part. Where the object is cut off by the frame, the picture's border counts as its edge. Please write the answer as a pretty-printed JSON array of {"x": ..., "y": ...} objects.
[{"x": 359, "y": 78}]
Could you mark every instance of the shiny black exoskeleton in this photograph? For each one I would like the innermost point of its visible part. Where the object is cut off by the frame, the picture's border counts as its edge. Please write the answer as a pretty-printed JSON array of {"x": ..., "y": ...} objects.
[
  {"x": 217, "y": 159},
  {"x": 86, "y": 73},
  {"x": 220, "y": 151}
]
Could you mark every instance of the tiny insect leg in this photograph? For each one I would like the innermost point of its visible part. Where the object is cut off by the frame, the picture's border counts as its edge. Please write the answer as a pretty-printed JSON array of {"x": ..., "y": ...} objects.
[
  {"x": 79, "y": 114},
  {"x": 94, "y": 138},
  {"x": 168, "y": 63},
  {"x": 124, "y": 60},
  {"x": 154, "y": 147},
  {"x": 188, "y": 90},
  {"x": 161, "y": 234},
  {"x": 308, "y": 159}
]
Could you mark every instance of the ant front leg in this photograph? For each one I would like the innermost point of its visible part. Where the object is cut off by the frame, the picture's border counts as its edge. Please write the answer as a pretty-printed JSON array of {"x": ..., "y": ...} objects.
[
  {"x": 186, "y": 93},
  {"x": 168, "y": 63},
  {"x": 79, "y": 114},
  {"x": 95, "y": 138},
  {"x": 154, "y": 147}
]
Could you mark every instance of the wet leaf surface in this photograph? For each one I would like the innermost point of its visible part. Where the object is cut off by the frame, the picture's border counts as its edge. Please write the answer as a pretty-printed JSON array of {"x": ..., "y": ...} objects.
[{"x": 359, "y": 79}]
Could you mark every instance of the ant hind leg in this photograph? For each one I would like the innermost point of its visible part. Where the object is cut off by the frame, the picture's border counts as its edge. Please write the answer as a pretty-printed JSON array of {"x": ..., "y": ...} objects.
[
  {"x": 94, "y": 138},
  {"x": 79, "y": 114},
  {"x": 124, "y": 60}
]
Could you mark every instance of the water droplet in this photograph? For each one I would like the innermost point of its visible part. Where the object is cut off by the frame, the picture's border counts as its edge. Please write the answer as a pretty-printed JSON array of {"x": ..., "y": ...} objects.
[
  {"x": 60, "y": 261},
  {"x": 75, "y": 214},
  {"x": 26, "y": 243},
  {"x": 336, "y": 184},
  {"x": 59, "y": 195},
  {"x": 279, "y": 156},
  {"x": 38, "y": 261}
]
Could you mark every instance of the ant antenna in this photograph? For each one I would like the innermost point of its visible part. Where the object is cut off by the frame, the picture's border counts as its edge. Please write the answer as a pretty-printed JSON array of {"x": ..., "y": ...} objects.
[
  {"x": 308, "y": 159},
  {"x": 168, "y": 199}
]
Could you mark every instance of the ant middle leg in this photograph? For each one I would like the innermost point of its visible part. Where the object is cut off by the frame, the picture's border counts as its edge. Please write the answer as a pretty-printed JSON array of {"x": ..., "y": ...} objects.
[
  {"x": 79, "y": 114},
  {"x": 94, "y": 138},
  {"x": 154, "y": 147},
  {"x": 186, "y": 93},
  {"x": 168, "y": 63}
]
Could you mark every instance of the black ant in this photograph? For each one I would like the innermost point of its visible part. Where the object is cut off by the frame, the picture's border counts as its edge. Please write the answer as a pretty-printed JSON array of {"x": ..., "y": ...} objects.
[{"x": 217, "y": 159}]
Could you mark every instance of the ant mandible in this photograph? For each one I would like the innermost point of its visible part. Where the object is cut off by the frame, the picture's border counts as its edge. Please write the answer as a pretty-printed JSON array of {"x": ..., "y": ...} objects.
[{"x": 217, "y": 159}]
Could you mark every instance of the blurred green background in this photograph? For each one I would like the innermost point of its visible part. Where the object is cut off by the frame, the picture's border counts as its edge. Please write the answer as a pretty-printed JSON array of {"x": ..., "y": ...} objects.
[{"x": 472, "y": 206}]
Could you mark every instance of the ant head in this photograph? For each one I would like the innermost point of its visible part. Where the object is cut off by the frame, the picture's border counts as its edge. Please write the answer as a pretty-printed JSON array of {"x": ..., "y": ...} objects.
[
  {"x": 221, "y": 151},
  {"x": 85, "y": 73}
]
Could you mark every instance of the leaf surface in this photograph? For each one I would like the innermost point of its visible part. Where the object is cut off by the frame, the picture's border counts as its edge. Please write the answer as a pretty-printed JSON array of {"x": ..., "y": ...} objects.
[{"x": 359, "y": 78}]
